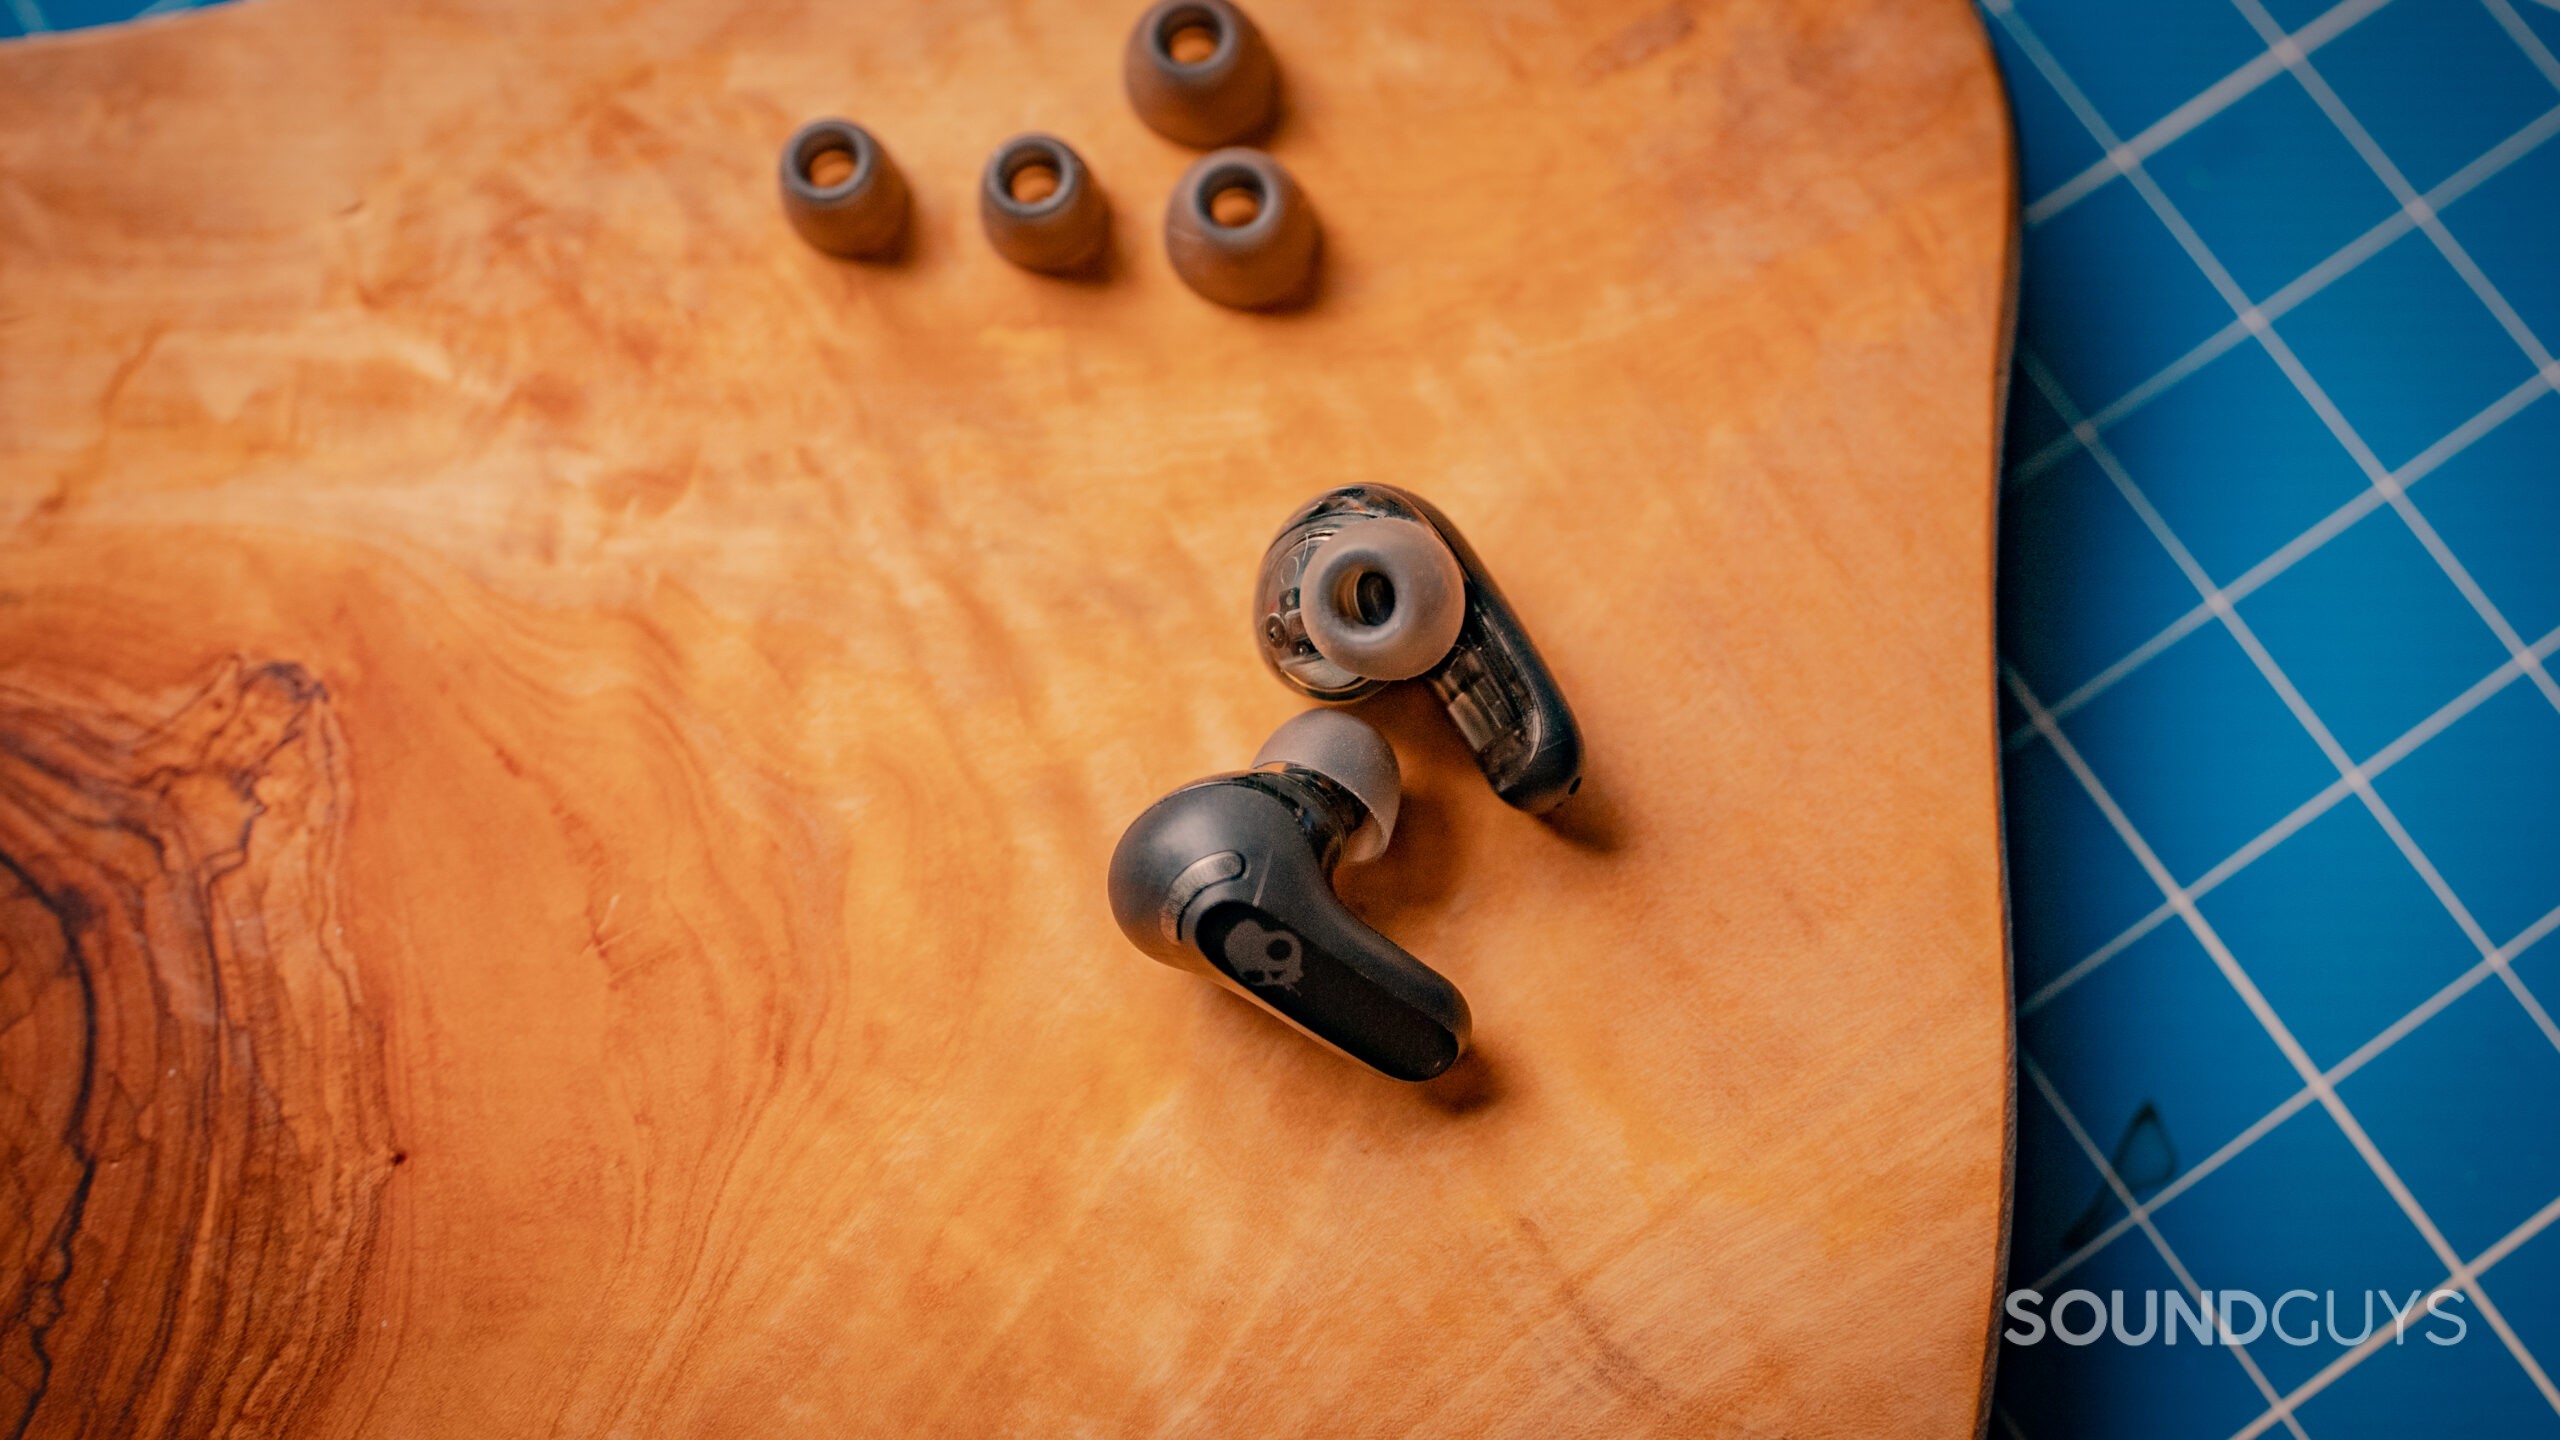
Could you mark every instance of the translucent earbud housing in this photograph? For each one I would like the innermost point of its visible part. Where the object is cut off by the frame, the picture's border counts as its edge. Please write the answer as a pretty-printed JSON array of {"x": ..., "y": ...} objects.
[{"x": 1489, "y": 677}]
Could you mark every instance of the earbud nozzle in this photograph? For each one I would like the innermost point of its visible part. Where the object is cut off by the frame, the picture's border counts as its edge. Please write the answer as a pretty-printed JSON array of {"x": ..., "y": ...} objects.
[{"x": 1350, "y": 752}]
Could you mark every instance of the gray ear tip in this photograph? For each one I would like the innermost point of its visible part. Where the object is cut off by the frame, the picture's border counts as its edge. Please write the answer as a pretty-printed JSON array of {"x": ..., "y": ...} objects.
[
  {"x": 1426, "y": 611},
  {"x": 1349, "y": 751},
  {"x": 862, "y": 216}
]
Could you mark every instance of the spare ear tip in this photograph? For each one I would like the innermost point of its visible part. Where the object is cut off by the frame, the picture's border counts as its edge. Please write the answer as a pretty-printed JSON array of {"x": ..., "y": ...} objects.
[
  {"x": 1214, "y": 100},
  {"x": 863, "y": 214},
  {"x": 1349, "y": 751}
]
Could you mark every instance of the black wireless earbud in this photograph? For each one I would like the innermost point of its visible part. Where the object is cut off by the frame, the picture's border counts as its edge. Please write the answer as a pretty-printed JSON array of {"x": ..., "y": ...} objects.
[
  {"x": 1370, "y": 584},
  {"x": 1232, "y": 877}
]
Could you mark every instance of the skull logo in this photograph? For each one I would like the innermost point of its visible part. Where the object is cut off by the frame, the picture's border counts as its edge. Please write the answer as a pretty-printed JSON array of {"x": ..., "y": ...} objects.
[{"x": 1263, "y": 957}]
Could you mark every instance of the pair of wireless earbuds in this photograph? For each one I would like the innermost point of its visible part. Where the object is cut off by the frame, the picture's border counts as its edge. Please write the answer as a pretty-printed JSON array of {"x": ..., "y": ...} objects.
[{"x": 1232, "y": 876}]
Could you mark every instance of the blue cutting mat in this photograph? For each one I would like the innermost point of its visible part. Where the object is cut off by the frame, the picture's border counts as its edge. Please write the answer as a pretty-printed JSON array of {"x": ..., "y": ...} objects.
[
  {"x": 2280, "y": 589},
  {"x": 2280, "y": 594},
  {"x": 34, "y": 17}
]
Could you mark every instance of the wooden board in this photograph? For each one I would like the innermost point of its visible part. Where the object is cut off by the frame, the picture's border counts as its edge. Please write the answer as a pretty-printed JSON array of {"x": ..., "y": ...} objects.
[{"x": 558, "y": 748}]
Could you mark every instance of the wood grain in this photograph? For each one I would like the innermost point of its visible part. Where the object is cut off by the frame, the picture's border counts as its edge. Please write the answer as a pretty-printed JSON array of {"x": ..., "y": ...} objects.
[{"x": 558, "y": 748}]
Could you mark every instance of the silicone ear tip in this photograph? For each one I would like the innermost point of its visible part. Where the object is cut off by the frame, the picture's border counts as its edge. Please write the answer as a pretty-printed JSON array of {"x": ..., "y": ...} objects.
[
  {"x": 861, "y": 214},
  {"x": 1424, "y": 600},
  {"x": 1350, "y": 752},
  {"x": 1060, "y": 233},
  {"x": 1215, "y": 99},
  {"x": 1265, "y": 259}
]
